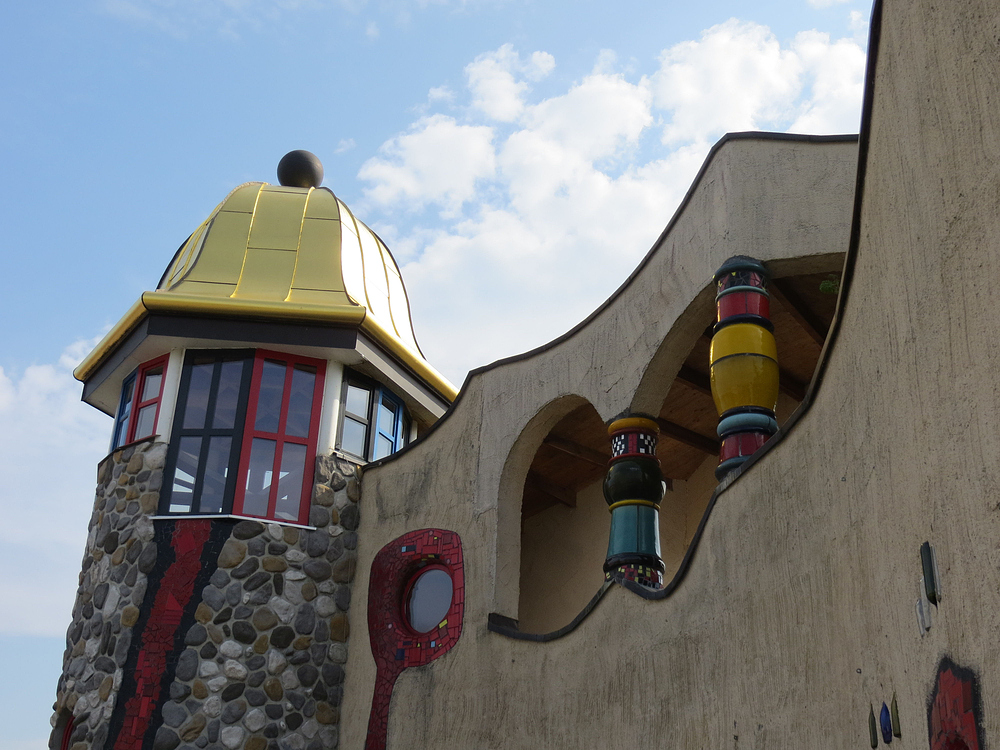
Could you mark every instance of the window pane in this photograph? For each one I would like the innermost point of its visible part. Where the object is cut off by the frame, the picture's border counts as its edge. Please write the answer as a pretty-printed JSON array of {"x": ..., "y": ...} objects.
[
  {"x": 185, "y": 472},
  {"x": 259, "y": 477},
  {"x": 272, "y": 384},
  {"x": 122, "y": 432},
  {"x": 383, "y": 447},
  {"x": 293, "y": 464},
  {"x": 126, "y": 405},
  {"x": 357, "y": 401},
  {"x": 227, "y": 396},
  {"x": 430, "y": 600},
  {"x": 151, "y": 385},
  {"x": 213, "y": 488},
  {"x": 355, "y": 437},
  {"x": 197, "y": 396},
  {"x": 144, "y": 421},
  {"x": 300, "y": 401},
  {"x": 387, "y": 419}
]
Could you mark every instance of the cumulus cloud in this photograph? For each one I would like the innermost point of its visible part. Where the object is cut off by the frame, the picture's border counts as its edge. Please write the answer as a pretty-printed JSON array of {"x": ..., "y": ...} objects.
[
  {"x": 438, "y": 161},
  {"x": 498, "y": 80},
  {"x": 49, "y": 449},
  {"x": 549, "y": 202}
]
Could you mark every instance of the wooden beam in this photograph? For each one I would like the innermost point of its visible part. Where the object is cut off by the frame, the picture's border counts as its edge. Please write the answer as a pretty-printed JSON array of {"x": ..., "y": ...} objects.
[
  {"x": 791, "y": 386},
  {"x": 564, "y": 495},
  {"x": 578, "y": 451},
  {"x": 810, "y": 322},
  {"x": 688, "y": 437},
  {"x": 695, "y": 379}
]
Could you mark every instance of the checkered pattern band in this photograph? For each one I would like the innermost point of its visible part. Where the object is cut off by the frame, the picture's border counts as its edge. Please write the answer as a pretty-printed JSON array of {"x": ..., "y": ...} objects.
[{"x": 633, "y": 443}]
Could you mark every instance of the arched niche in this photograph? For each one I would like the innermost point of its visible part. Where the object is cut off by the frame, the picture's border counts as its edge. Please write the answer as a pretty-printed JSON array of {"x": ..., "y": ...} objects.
[
  {"x": 676, "y": 387},
  {"x": 552, "y": 482}
]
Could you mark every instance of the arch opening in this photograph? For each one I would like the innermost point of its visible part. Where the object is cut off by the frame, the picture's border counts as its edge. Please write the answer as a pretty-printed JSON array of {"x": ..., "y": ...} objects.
[{"x": 563, "y": 519}]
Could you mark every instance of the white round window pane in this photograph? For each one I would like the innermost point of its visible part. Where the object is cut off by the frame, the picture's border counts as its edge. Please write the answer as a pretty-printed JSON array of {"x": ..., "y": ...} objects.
[{"x": 430, "y": 600}]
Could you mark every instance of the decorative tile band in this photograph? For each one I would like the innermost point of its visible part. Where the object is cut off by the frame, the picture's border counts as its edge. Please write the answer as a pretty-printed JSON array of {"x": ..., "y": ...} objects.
[{"x": 157, "y": 639}]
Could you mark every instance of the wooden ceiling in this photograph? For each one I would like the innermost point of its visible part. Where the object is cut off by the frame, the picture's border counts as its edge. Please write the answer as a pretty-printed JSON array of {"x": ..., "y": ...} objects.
[{"x": 576, "y": 451}]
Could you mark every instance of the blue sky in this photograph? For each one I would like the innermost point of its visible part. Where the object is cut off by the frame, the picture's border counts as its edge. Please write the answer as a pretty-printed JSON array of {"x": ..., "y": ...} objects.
[{"x": 518, "y": 157}]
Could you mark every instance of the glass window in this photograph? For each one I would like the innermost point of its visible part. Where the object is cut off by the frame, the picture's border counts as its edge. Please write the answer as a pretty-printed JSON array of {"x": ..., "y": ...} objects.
[
  {"x": 208, "y": 432},
  {"x": 245, "y": 435},
  {"x": 278, "y": 453},
  {"x": 139, "y": 405},
  {"x": 374, "y": 423},
  {"x": 429, "y": 598}
]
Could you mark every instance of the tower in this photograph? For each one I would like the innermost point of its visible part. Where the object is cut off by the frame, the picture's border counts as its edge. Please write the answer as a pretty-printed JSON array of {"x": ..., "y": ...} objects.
[{"x": 275, "y": 356}]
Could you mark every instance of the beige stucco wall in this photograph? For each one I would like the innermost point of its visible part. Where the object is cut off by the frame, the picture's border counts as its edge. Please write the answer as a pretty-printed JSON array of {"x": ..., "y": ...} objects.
[{"x": 798, "y": 610}]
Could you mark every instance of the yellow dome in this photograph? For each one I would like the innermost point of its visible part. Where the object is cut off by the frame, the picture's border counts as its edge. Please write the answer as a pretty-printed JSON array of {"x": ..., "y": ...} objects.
[{"x": 287, "y": 253}]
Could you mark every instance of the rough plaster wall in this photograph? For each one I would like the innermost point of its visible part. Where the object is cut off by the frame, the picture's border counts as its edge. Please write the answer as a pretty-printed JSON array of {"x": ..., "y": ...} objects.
[
  {"x": 635, "y": 671},
  {"x": 562, "y": 559}
]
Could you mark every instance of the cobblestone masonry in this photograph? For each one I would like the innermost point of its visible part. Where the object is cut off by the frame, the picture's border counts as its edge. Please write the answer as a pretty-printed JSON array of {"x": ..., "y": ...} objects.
[{"x": 262, "y": 665}]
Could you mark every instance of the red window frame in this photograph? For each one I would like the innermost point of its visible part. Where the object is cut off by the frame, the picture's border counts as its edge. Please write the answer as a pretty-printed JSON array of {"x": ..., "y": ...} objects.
[
  {"x": 280, "y": 437},
  {"x": 137, "y": 404}
]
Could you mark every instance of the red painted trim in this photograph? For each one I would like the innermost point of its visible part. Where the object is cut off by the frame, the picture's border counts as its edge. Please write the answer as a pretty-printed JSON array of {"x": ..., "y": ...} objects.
[
  {"x": 280, "y": 438},
  {"x": 140, "y": 382},
  {"x": 67, "y": 734}
]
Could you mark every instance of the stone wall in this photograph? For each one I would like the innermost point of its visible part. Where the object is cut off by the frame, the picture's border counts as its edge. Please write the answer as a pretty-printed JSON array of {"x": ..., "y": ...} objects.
[
  {"x": 264, "y": 664},
  {"x": 120, "y": 552},
  {"x": 258, "y": 661}
]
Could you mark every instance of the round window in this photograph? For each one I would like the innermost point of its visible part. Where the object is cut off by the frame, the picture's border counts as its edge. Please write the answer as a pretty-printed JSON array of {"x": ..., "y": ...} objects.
[{"x": 428, "y": 598}]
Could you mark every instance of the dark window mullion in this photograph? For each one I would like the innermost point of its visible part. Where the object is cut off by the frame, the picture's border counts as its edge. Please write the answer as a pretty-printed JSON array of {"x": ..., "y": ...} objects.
[
  {"x": 206, "y": 436},
  {"x": 239, "y": 433}
]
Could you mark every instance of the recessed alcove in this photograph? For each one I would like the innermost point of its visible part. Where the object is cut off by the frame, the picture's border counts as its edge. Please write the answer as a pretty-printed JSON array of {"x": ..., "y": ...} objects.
[{"x": 564, "y": 522}]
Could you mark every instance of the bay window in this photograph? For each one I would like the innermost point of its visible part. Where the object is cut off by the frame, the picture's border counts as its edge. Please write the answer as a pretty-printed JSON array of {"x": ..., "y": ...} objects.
[{"x": 244, "y": 437}]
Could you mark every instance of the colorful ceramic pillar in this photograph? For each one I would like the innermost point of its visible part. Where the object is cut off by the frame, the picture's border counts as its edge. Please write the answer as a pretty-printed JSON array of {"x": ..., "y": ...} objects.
[
  {"x": 744, "y": 362},
  {"x": 633, "y": 489}
]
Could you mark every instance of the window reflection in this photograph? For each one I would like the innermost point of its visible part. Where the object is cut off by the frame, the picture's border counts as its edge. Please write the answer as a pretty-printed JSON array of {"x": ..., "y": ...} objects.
[
  {"x": 258, "y": 487},
  {"x": 272, "y": 385},
  {"x": 185, "y": 473}
]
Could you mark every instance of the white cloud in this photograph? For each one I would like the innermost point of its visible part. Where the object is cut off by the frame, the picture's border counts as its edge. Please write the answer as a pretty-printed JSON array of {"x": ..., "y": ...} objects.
[
  {"x": 493, "y": 79},
  {"x": 371, "y": 30},
  {"x": 49, "y": 449},
  {"x": 438, "y": 161},
  {"x": 837, "y": 71},
  {"x": 345, "y": 144},
  {"x": 440, "y": 94},
  {"x": 580, "y": 188},
  {"x": 736, "y": 77}
]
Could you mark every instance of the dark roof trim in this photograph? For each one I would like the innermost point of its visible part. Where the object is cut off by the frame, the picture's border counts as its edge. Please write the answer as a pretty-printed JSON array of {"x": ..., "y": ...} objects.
[{"x": 507, "y": 627}]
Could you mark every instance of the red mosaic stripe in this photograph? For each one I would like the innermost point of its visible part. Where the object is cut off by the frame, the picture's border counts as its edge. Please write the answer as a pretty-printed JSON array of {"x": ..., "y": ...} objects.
[{"x": 159, "y": 635}]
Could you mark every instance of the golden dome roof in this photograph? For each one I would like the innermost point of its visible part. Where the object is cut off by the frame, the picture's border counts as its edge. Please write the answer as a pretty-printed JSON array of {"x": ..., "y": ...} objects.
[{"x": 286, "y": 253}]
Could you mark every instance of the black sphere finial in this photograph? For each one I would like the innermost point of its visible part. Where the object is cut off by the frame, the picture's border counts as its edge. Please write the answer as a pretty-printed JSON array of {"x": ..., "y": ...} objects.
[{"x": 300, "y": 169}]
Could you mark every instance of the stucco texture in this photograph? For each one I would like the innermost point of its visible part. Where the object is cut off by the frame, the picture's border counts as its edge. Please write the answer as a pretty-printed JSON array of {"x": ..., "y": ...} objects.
[{"x": 798, "y": 610}]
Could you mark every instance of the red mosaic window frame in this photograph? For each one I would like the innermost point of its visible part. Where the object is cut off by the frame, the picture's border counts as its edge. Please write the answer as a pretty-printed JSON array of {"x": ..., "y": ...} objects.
[
  {"x": 271, "y": 440},
  {"x": 395, "y": 645}
]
